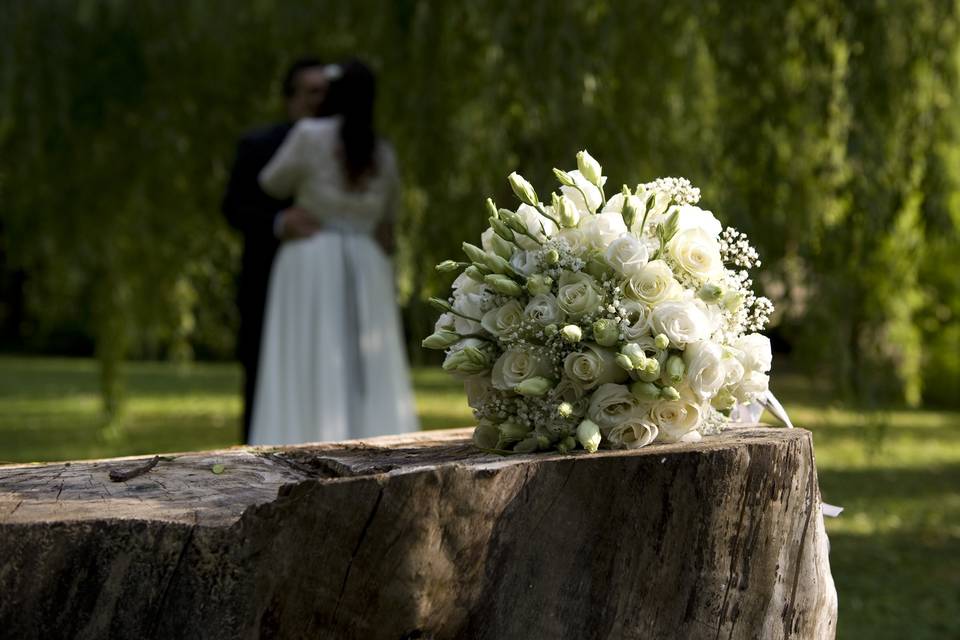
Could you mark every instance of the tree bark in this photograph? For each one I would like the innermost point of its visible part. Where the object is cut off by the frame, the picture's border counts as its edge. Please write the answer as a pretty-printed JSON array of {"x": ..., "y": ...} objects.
[{"x": 422, "y": 536}]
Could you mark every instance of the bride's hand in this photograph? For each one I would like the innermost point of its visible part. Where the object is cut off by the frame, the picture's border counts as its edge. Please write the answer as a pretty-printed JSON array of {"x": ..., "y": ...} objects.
[{"x": 297, "y": 223}]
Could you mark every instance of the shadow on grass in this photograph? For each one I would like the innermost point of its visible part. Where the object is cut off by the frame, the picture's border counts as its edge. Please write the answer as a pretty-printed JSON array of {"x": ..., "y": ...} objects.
[
  {"x": 879, "y": 482},
  {"x": 923, "y": 602}
]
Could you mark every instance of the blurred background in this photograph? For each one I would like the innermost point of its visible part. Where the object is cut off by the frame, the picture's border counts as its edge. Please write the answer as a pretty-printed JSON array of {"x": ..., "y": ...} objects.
[{"x": 828, "y": 131}]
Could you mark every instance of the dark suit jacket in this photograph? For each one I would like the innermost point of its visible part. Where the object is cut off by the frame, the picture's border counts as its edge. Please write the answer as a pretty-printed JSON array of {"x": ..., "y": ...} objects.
[{"x": 252, "y": 212}]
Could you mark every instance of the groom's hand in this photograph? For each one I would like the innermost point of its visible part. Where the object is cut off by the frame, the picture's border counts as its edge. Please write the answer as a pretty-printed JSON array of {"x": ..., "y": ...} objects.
[{"x": 296, "y": 223}]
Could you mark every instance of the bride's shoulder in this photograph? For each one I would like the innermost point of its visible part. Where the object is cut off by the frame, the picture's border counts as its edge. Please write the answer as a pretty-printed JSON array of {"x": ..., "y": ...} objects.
[{"x": 316, "y": 127}]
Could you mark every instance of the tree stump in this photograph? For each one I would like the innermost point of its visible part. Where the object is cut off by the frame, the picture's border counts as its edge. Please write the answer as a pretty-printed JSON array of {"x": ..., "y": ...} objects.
[{"x": 422, "y": 536}]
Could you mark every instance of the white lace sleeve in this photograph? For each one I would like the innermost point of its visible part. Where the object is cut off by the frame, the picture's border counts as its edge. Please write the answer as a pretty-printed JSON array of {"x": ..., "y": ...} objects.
[{"x": 283, "y": 174}]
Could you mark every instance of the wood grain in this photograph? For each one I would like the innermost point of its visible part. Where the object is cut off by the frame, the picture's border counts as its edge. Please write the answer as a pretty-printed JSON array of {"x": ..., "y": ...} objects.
[{"x": 421, "y": 536}]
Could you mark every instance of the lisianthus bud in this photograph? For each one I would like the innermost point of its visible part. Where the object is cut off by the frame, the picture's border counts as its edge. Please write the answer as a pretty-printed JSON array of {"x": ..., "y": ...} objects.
[
  {"x": 535, "y": 386},
  {"x": 733, "y": 300},
  {"x": 503, "y": 284},
  {"x": 650, "y": 371},
  {"x": 606, "y": 332},
  {"x": 501, "y": 247},
  {"x": 669, "y": 228},
  {"x": 624, "y": 362},
  {"x": 474, "y": 253},
  {"x": 513, "y": 221},
  {"x": 474, "y": 273},
  {"x": 523, "y": 189},
  {"x": 491, "y": 208},
  {"x": 496, "y": 263},
  {"x": 543, "y": 442},
  {"x": 440, "y": 340},
  {"x": 567, "y": 444},
  {"x": 589, "y": 167},
  {"x": 710, "y": 293},
  {"x": 550, "y": 330},
  {"x": 565, "y": 409},
  {"x": 501, "y": 229},
  {"x": 564, "y": 178},
  {"x": 552, "y": 257},
  {"x": 661, "y": 341},
  {"x": 448, "y": 266},
  {"x": 629, "y": 211},
  {"x": 724, "y": 401},
  {"x": 539, "y": 283},
  {"x": 486, "y": 435},
  {"x": 635, "y": 352},
  {"x": 588, "y": 434},
  {"x": 440, "y": 304},
  {"x": 675, "y": 369},
  {"x": 567, "y": 212},
  {"x": 571, "y": 333},
  {"x": 468, "y": 361},
  {"x": 645, "y": 391},
  {"x": 527, "y": 445},
  {"x": 513, "y": 432},
  {"x": 597, "y": 267},
  {"x": 669, "y": 393}
]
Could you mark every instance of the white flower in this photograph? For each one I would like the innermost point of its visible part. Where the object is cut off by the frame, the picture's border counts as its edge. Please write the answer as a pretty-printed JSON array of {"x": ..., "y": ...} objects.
[
  {"x": 658, "y": 209},
  {"x": 602, "y": 229},
  {"x": 445, "y": 322},
  {"x": 682, "y": 321},
  {"x": 706, "y": 371},
  {"x": 616, "y": 202},
  {"x": 525, "y": 262},
  {"x": 692, "y": 217},
  {"x": 697, "y": 253},
  {"x": 638, "y": 319},
  {"x": 611, "y": 404},
  {"x": 576, "y": 240},
  {"x": 587, "y": 188},
  {"x": 492, "y": 243},
  {"x": 544, "y": 309},
  {"x": 475, "y": 343},
  {"x": 578, "y": 294},
  {"x": 514, "y": 366},
  {"x": 503, "y": 319},
  {"x": 471, "y": 306},
  {"x": 675, "y": 418},
  {"x": 626, "y": 255},
  {"x": 753, "y": 384},
  {"x": 479, "y": 391},
  {"x": 754, "y": 352},
  {"x": 633, "y": 433},
  {"x": 537, "y": 226},
  {"x": 653, "y": 283},
  {"x": 593, "y": 366}
]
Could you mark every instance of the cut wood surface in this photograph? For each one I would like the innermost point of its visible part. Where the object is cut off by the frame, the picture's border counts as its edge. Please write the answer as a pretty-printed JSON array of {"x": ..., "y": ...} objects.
[{"x": 422, "y": 536}]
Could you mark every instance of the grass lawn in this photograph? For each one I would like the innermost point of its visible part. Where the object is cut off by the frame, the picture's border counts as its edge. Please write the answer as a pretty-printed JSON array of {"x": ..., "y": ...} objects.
[{"x": 895, "y": 550}]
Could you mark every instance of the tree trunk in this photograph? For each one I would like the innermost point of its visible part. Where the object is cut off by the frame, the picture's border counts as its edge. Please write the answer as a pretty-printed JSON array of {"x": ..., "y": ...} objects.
[{"x": 421, "y": 536}]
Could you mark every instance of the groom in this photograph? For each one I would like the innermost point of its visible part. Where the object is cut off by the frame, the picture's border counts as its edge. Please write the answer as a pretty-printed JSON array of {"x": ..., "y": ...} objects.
[{"x": 264, "y": 221}]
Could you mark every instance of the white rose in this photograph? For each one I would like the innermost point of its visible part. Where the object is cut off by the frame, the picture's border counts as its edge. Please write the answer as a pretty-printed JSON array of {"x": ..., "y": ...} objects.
[
  {"x": 525, "y": 262},
  {"x": 576, "y": 240},
  {"x": 537, "y": 226},
  {"x": 753, "y": 384},
  {"x": 503, "y": 320},
  {"x": 633, "y": 433},
  {"x": 602, "y": 229},
  {"x": 653, "y": 283},
  {"x": 638, "y": 319},
  {"x": 544, "y": 309},
  {"x": 675, "y": 418},
  {"x": 513, "y": 367},
  {"x": 682, "y": 321},
  {"x": 578, "y": 294},
  {"x": 479, "y": 391},
  {"x": 592, "y": 366},
  {"x": 754, "y": 352},
  {"x": 611, "y": 404},
  {"x": 586, "y": 188},
  {"x": 626, "y": 255},
  {"x": 691, "y": 217},
  {"x": 706, "y": 371},
  {"x": 697, "y": 253}
]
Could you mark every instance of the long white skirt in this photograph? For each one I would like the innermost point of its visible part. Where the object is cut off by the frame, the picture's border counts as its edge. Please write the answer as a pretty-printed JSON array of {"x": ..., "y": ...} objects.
[{"x": 332, "y": 361}]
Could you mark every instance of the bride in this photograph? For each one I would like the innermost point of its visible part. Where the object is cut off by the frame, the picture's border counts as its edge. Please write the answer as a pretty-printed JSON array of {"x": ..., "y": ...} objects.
[{"x": 333, "y": 365}]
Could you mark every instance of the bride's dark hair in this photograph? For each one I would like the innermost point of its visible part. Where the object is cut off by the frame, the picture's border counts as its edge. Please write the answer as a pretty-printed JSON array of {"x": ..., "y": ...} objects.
[{"x": 352, "y": 96}]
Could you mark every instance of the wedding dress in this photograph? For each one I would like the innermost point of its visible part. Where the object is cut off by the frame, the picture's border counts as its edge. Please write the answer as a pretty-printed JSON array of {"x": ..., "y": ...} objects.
[{"x": 333, "y": 364}]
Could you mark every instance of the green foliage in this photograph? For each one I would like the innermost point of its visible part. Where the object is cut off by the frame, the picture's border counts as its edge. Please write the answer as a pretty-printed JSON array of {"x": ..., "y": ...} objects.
[{"x": 825, "y": 130}]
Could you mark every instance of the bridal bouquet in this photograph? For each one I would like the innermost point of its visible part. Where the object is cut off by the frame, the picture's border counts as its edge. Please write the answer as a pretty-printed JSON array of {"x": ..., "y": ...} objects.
[{"x": 603, "y": 322}]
